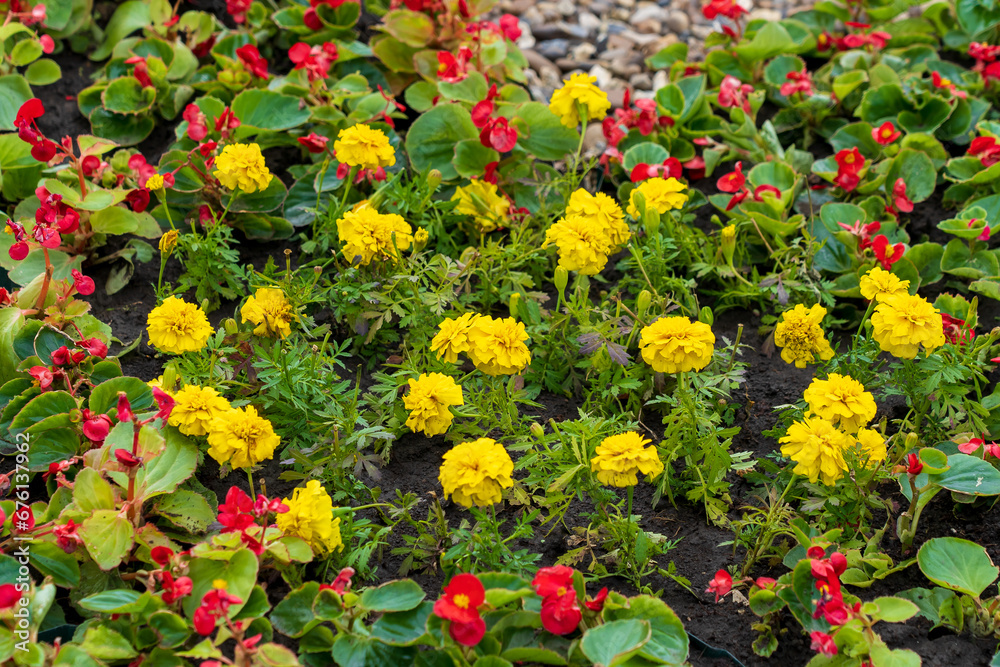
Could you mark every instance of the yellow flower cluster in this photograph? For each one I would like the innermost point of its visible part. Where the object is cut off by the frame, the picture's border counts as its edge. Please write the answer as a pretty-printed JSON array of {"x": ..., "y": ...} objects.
[
  {"x": 196, "y": 409},
  {"x": 241, "y": 167},
  {"x": 428, "y": 402},
  {"x": 154, "y": 182},
  {"x": 872, "y": 445},
  {"x": 902, "y": 323},
  {"x": 620, "y": 458},
  {"x": 365, "y": 147},
  {"x": 676, "y": 344},
  {"x": 593, "y": 229},
  {"x": 483, "y": 202},
  {"x": 800, "y": 336},
  {"x": 310, "y": 517},
  {"x": 242, "y": 438},
  {"x": 475, "y": 473},
  {"x": 495, "y": 346},
  {"x": 579, "y": 92},
  {"x": 817, "y": 447},
  {"x": 842, "y": 401},
  {"x": 662, "y": 194},
  {"x": 177, "y": 327},
  {"x": 879, "y": 283},
  {"x": 270, "y": 311},
  {"x": 368, "y": 234}
]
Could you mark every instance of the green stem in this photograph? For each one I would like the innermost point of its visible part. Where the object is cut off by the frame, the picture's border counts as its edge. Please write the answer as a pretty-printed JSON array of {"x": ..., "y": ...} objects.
[
  {"x": 219, "y": 220},
  {"x": 253, "y": 491},
  {"x": 347, "y": 189},
  {"x": 861, "y": 327}
]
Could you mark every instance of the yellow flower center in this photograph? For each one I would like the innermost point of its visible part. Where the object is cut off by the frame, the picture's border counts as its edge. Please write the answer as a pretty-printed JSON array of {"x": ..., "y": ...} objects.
[
  {"x": 462, "y": 601},
  {"x": 221, "y": 584},
  {"x": 562, "y": 591},
  {"x": 849, "y": 158}
]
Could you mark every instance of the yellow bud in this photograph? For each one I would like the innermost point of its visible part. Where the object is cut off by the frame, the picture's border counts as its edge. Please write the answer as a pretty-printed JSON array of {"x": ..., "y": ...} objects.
[
  {"x": 420, "y": 238},
  {"x": 652, "y": 222},
  {"x": 229, "y": 324},
  {"x": 168, "y": 241},
  {"x": 515, "y": 300},
  {"x": 642, "y": 303},
  {"x": 705, "y": 315},
  {"x": 537, "y": 430},
  {"x": 433, "y": 178},
  {"x": 728, "y": 241},
  {"x": 561, "y": 279}
]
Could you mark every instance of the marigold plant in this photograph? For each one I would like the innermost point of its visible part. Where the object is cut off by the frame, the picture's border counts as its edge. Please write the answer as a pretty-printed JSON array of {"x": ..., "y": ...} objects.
[
  {"x": 365, "y": 147},
  {"x": 368, "y": 235},
  {"x": 817, "y": 447},
  {"x": 676, "y": 344},
  {"x": 582, "y": 246},
  {"x": 177, "y": 327},
  {"x": 662, "y": 194},
  {"x": 872, "y": 445},
  {"x": 452, "y": 338},
  {"x": 902, "y": 323},
  {"x": 429, "y": 401},
  {"x": 482, "y": 201},
  {"x": 196, "y": 408},
  {"x": 620, "y": 458},
  {"x": 475, "y": 473},
  {"x": 242, "y": 438},
  {"x": 270, "y": 311},
  {"x": 879, "y": 283},
  {"x": 241, "y": 167},
  {"x": 603, "y": 213},
  {"x": 498, "y": 346},
  {"x": 579, "y": 93},
  {"x": 800, "y": 336},
  {"x": 842, "y": 401},
  {"x": 310, "y": 517}
]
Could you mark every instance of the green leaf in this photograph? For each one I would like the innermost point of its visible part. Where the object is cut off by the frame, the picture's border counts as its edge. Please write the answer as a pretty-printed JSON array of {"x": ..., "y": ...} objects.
[
  {"x": 646, "y": 152},
  {"x": 770, "y": 40},
  {"x": 409, "y": 27},
  {"x": 970, "y": 475},
  {"x": 542, "y": 134},
  {"x": 471, "y": 158},
  {"x": 668, "y": 643},
  {"x": 846, "y": 83},
  {"x": 171, "y": 629},
  {"x": 883, "y": 656},
  {"x": 267, "y": 110},
  {"x": 239, "y": 572},
  {"x": 51, "y": 404},
  {"x": 104, "y": 397},
  {"x": 186, "y": 510},
  {"x": 58, "y": 444},
  {"x": 91, "y": 492},
  {"x": 129, "y": 17},
  {"x": 957, "y": 564},
  {"x": 108, "y": 537},
  {"x": 472, "y": 88},
  {"x": 895, "y": 610},
  {"x": 116, "y": 601},
  {"x": 43, "y": 72},
  {"x": 123, "y": 129},
  {"x": 533, "y": 656},
  {"x": 125, "y": 95},
  {"x": 114, "y": 220},
  {"x": 103, "y": 643},
  {"x": 14, "y": 92},
  {"x": 49, "y": 559},
  {"x": 614, "y": 642},
  {"x": 175, "y": 464},
  {"x": 400, "y": 595},
  {"x": 294, "y": 616},
  {"x": 431, "y": 140},
  {"x": 269, "y": 199},
  {"x": 403, "y": 628},
  {"x": 26, "y": 51}
]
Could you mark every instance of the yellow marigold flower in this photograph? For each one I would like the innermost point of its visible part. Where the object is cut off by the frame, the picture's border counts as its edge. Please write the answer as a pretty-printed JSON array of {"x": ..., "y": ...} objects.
[
  {"x": 168, "y": 240},
  {"x": 663, "y": 194},
  {"x": 196, "y": 408},
  {"x": 364, "y": 146},
  {"x": 602, "y": 212},
  {"x": 903, "y": 322},
  {"x": 800, "y": 336},
  {"x": 368, "y": 234},
  {"x": 475, "y": 473},
  {"x": 428, "y": 402},
  {"x": 241, "y": 166},
  {"x": 157, "y": 383},
  {"x": 177, "y": 327},
  {"x": 579, "y": 91},
  {"x": 242, "y": 438},
  {"x": 310, "y": 517},
  {"x": 818, "y": 449},
  {"x": 879, "y": 283},
  {"x": 420, "y": 239},
  {"x": 497, "y": 347},
  {"x": 872, "y": 445},
  {"x": 841, "y": 400},
  {"x": 270, "y": 311},
  {"x": 619, "y": 459},
  {"x": 483, "y": 201},
  {"x": 582, "y": 246},
  {"x": 154, "y": 182},
  {"x": 453, "y": 337},
  {"x": 676, "y": 344}
]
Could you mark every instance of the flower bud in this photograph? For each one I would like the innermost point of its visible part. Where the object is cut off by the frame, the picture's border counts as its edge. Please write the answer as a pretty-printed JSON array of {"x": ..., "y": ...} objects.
[
  {"x": 728, "y": 241},
  {"x": 168, "y": 241},
  {"x": 561, "y": 279},
  {"x": 515, "y": 300},
  {"x": 911, "y": 442},
  {"x": 169, "y": 377},
  {"x": 642, "y": 303},
  {"x": 433, "y": 178},
  {"x": 537, "y": 430},
  {"x": 652, "y": 222},
  {"x": 420, "y": 238},
  {"x": 639, "y": 200},
  {"x": 705, "y": 315},
  {"x": 229, "y": 324}
]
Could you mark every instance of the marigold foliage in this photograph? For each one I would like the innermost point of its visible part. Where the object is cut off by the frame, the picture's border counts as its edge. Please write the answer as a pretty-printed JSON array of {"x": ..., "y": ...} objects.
[
  {"x": 452, "y": 338},
  {"x": 364, "y": 146},
  {"x": 676, "y": 344},
  {"x": 196, "y": 408},
  {"x": 310, "y": 517},
  {"x": 578, "y": 92},
  {"x": 879, "y": 283},
  {"x": 483, "y": 202},
  {"x": 841, "y": 400},
  {"x": 177, "y": 327},
  {"x": 242, "y": 438},
  {"x": 428, "y": 402},
  {"x": 241, "y": 167},
  {"x": 620, "y": 458},
  {"x": 662, "y": 194},
  {"x": 475, "y": 473},
  {"x": 498, "y": 346},
  {"x": 902, "y": 323},
  {"x": 270, "y": 311},
  {"x": 817, "y": 447},
  {"x": 368, "y": 235},
  {"x": 800, "y": 336}
]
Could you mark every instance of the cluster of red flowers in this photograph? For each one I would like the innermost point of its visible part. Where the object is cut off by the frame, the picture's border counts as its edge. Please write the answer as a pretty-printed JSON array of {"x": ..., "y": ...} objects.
[
  {"x": 52, "y": 218},
  {"x": 850, "y": 162},
  {"x": 986, "y": 56},
  {"x": 240, "y": 514},
  {"x": 165, "y": 405},
  {"x": 252, "y": 61},
  {"x": 65, "y": 361},
  {"x": 797, "y": 82},
  {"x": 214, "y": 605},
  {"x": 886, "y": 253},
  {"x": 875, "y": 40},
  {"x": 735, "y": 183},
  {"x": 315, "y": 60},
  {"x": 42, "y": 149},
  {"x": 731, "y": 9},
  {"x": 733, "y": 93},
  {"x": 452, "y": 68},
  {"x": 495, "y": 132},
  {"x": 561, "y": 613},
  {"x": 670, "y": 168},
  {"x": 986, "y": 149},
  {"x": 311, "y": 17},
  {"x": 459, "y": 604},
  {"x": 830, "y": 605},
  {"x": 973, "y": 445},
  {"x": 946, "y": 85},
  {"x": 900, "y": 202}
]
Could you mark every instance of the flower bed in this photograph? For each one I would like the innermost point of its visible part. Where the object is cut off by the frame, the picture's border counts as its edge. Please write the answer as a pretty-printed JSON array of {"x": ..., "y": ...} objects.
[{"x": 325, "y": 343}]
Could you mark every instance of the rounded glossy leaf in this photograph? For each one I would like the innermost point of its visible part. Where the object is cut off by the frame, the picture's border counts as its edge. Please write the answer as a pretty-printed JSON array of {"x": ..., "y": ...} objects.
[
  {"x": 432, "y": 138},
  {"x": 400, "y": 595},
  {"x": 645, "y": 153},
  {"x": 126, "y": 95},
  {"x": 614, "y": 642},
  {"x": 957, "y": 564},
  {"x": 43, "y": 72}
]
